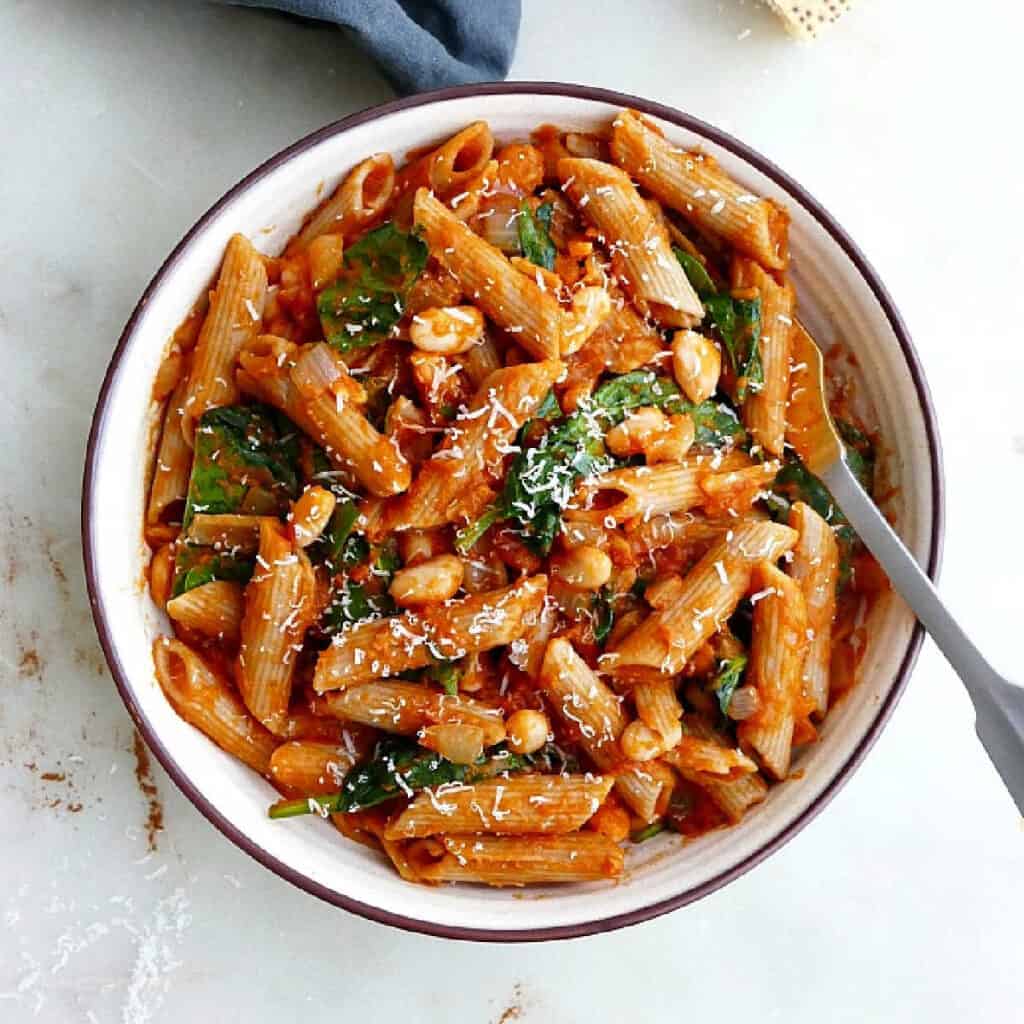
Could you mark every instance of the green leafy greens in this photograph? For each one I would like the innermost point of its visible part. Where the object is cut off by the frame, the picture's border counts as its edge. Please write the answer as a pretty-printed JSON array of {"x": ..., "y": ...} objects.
[
  {"x": 730, "y": 675},
  {"x": 736, "y": 321},
  {"x": 195, "y": 565},
  {"x": 400, "y": 767},
  {"x": 534, "y": 240},
  {"x": 543, "y": 478},
  {"x": 243, "y": 462},
  {"x": 352, "y": 602},
  {"x": 368, "y": 298}
]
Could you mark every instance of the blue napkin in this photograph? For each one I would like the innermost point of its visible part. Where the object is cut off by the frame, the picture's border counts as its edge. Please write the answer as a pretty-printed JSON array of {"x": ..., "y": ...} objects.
[{"x": 422, "y": 44}]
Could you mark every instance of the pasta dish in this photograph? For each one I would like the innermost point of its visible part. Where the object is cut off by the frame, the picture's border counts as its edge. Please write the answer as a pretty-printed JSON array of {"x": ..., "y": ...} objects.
[{"x": 479, "y": 515}]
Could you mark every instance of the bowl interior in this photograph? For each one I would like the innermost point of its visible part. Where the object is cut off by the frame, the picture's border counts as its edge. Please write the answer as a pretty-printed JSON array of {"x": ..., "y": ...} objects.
[{"x": 837, "y": 302}]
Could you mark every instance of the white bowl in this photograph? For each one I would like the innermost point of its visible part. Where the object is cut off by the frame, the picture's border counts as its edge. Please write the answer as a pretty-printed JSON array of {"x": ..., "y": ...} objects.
[{"x": 840, "y": 297}]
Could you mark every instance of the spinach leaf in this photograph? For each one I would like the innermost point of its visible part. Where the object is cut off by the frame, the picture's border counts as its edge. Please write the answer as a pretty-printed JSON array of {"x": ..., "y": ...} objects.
[
  {"x": 534, "y": 240},
  {"x": 241, "y": 464},
  {"x": 696, "y": 273},
  {"x": 400, "y": 767},
  {"x": 334, "y": 541},
  {"x": 738, "y": 324},
  {"x": 352, "y": 602},
  {"x": 641, "y": 835},
  {"x": 542, "y": 479},
  {"x": 795, "y": 482},
  {"x": 549, "y": 409},
  {"x": 604, "y": 614},
  {"x": 445, "y": 674},
  {"x": 736, "y": 321},
  {"x": 195, "y": 564},
  {"x": 860, "y": 453},
  {"x": 368, "y": 298},
  {"x": 729, "y": 676}
]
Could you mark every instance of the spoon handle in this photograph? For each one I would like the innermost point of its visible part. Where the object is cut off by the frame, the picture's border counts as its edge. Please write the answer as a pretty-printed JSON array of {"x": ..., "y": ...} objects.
[
  {"x": 999, "y": 705},
  {"x": 906, "y": 576}
]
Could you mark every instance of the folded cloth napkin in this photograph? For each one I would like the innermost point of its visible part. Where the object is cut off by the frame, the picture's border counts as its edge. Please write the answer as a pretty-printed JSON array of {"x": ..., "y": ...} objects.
[{"x": 422, "y": 44}]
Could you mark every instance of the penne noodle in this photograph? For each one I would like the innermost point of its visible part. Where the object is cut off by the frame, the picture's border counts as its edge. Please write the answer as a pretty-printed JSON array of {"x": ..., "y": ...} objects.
[
  {"x": 481, "y": 361},
  {"x": 642, "y": 257},
  {"x": 776, "y": 663},
  {"x": 580, "y": 698},
  {"x": 215, "y": 609},
  {"x": 239, "y": 534},
  {"x": 511, "y": 299},
  {"x": 279, "y": 606},
  {"x": 815, "y": 567},
  {"x": 764, "y": 412},
  {"x": 646, "y": 491},
  {"x": 658, "y": 707},
  {"x": 333, "y": 401},
  {"x": 385, "y": 647},
  {"x": 474, "y": 450},
  {"x": 205, "y": 700},
  {"x": 173, "y": 460},
  {"x": 520, "y": 804},
  {"x": 734, "y": 797},
  {"x": 733, "y": 492},
  {"x": 406, "y": 708},
  {"x": 234, "y": 316},
  {"x": 452, "y": 165},
  {"x": 360, "y": 199},
  {"x": 311, "y": 768},
  {"x": 694, "y": 185},
  {"x": 668, "y": 638},
  {"x": 699, "y": 759},
  {"x": 528, "y": 860}
]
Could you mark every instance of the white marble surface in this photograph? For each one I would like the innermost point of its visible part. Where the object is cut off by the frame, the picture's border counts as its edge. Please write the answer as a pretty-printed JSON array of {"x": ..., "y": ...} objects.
[{"x": 121, "y": 122}]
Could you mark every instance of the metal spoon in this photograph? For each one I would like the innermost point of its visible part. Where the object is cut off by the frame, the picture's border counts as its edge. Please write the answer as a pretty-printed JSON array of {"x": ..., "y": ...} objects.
[{"x": 998, "y": 704}]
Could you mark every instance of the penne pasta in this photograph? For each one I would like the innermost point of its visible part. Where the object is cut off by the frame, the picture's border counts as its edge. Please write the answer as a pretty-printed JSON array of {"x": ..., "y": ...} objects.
[
  {"x": 385, "y": 647},
  {"x": 452, "y": 165},
  {"x": 234, "y": 316},
  {"x": 279, "y": 606},
  {"x": 764, "y": 412},
  {"x": 694, "y": 185},
  {"x": 702, "y": 759},
  {"x": 406, "y": 708},
  {"x": 667, "y": 639},
  {"x": 646, "y": 491},
  {"x": 311, "y": 768},
  {"x": 214, "y": 609},
  {"x": 580, "y": 699},
  {"x": 474, "y": 450},
  {"x": 815, "y": 567},
  {"x": 658, "y": 707},
  {"x": 358, "y": 201},
  {"x": 531, "y": 860},
  {"x": 332, "y": 400},
  {"x": 205, "y": 700},
  {"x": 239, "y": 534},
  {"x": 513, "y": 301},
  {"x": 642, "y": 257},
  {"x": 520, "y": 804},
  {"x": 776, "y": 664},
  {"x": 173, "y": 461},
  {"x": 734, "y": 796}
]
